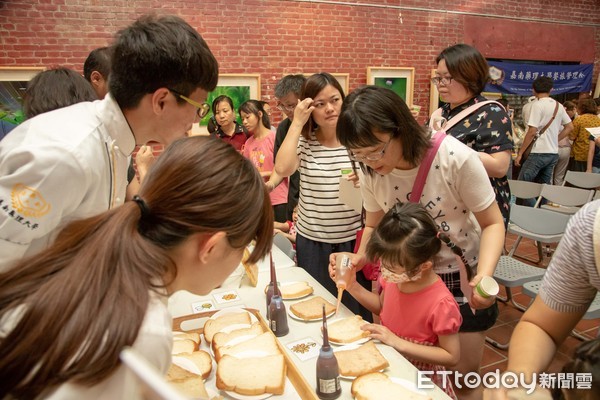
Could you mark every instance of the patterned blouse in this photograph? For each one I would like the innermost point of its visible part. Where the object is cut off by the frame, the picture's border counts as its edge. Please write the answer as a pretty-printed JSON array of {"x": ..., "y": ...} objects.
[{"x": 488, "y": 129}]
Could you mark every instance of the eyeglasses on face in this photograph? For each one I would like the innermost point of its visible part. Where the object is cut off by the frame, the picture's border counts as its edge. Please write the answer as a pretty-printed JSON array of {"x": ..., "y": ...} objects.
[
  {"x": 375, "y": 156},
  {"x": 436, "y": 80},
  {"x": 201, "y": 108},
  {"x": 285, "y": 108}
]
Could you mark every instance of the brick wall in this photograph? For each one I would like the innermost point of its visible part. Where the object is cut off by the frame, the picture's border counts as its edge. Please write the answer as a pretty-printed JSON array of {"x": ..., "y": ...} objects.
[{"x": 276, "y": 37}]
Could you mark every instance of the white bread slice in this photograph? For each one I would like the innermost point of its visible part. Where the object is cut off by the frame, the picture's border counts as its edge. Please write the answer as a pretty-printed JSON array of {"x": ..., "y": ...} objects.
[
  {"x": 183, "y": 346},
  {"x": 251, "y": 269},
  {"x": 198, "y": 362},
  {"x": 194, "y": 336},
  {"x": 191, "y": 388},
  {"x": 295, "y": 290},
  {"x": 347, "y": 330},
  {"x": 363, "y": 360},
  {"x": 176, "y": 373},
  {"x": 312, "y": 308},
  {"x": 252, "y": 376},
  {"x": 223, "y": 338},
  {"x": 377, "y": 385},
  {"x": 213, "y": 326},
  {"x": 264, "y": 342}
]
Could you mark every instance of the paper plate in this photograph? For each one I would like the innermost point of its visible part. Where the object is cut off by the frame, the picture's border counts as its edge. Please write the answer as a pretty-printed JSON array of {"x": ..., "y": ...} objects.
[{"x": 408, "y": 385}]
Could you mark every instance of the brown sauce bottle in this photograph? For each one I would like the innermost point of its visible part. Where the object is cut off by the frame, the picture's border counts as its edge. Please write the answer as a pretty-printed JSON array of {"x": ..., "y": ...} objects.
[{"x": 328, "y": 373}]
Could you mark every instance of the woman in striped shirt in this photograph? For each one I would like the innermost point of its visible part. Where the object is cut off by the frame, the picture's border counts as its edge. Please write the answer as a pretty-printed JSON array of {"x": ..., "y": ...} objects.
[{"x": 325, "y": 225}]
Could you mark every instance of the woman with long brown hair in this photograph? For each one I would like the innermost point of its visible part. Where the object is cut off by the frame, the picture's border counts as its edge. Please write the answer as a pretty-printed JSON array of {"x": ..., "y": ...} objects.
[{"x": 66, "y": 313}]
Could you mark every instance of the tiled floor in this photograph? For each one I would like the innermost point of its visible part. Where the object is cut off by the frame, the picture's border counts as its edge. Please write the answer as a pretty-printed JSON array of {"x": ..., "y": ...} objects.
[{"x": 494, "y": 358}]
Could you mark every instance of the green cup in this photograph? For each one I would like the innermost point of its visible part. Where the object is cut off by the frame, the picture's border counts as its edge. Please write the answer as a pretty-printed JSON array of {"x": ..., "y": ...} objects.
[{"x": 487, "y": 287}]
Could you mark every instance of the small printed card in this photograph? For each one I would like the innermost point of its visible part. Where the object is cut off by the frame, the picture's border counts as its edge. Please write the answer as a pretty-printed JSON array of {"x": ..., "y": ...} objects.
[
  {"x": 304, "y": 349},
  {"x": 229, "y": 296},
  {"x": 203, "y": 305}
]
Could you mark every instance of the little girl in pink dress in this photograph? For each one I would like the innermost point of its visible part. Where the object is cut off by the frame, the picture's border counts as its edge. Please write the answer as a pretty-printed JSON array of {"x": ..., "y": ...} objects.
[{"x": 419, "y": 316}]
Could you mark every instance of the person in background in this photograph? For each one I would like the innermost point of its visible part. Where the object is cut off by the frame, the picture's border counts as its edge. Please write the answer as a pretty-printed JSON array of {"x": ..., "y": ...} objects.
[
  {"x": 587, "y": 118},
  {"x": 96, "y": 70},
  {"x": 104, "y": 283},
  {"x": 461, "y": 75},
  {"x": 419, "y": 316},
  {"x": 540, "y": 164},
  {"x": 288, "y": 91},
  {"x": 288, "y": 228},
  {"x": 564, "y": 149},
  {"x": 267, "y": 107},
  {"x": 55, "y": 88},
  {"x": 72, "y": 163},
  {"x": 228, "y": 128},
  {"x": 377, "y": 127},
  {"x": 593, "y": 161},
  {"x": 569, "y": 286},
  {"x": 325, "y": 225},
  {"x": 259, "y": 149}
]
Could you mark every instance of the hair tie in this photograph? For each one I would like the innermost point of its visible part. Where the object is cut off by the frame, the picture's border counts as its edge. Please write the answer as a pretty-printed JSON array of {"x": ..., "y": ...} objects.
[{"x": 142, "y": 205}]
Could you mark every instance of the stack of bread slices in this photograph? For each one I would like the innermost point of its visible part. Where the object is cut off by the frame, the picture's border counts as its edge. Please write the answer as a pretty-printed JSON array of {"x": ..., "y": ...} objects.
[
  {"x": 249, "y": 361},
  {"x": 190, "y": 365}
]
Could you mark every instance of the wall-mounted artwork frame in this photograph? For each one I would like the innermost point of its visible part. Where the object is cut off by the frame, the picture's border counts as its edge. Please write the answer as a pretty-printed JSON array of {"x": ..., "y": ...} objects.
[
  {"x": 240, "y": 87},
  {"x": 342, "y": 78},
  {"x": 434, "y": 95},
  {"x": 13, "y": 82},
  {"x": 400, "y": 79}
]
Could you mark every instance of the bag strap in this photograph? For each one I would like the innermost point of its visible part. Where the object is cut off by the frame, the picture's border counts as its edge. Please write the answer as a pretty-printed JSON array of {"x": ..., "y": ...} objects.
[
  {"x": 541, "y": 132},
  {"x": 419, "y": 184},
  {"x": 436, "y": 122}
]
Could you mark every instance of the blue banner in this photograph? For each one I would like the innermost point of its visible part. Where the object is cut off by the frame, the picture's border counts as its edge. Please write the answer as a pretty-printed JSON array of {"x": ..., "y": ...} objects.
[{"x": 512, "y": 78}]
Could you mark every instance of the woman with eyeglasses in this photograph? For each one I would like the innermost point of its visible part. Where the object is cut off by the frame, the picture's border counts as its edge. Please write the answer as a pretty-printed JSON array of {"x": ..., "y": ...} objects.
[
  {"x": 461, "y": 75},
  {"x": 325, "y": 225},
  {"x": 228, "y": 128},
  {"x": 377, "y": 127}
]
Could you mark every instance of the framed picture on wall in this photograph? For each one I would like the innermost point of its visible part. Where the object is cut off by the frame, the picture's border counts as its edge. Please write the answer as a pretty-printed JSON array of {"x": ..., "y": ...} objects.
[
  {"x": 13, "y": 83},
  {"x": 239, "y": 87},
  {"x": 399, "y": 79},
  {"x": 343, "y": 79}
]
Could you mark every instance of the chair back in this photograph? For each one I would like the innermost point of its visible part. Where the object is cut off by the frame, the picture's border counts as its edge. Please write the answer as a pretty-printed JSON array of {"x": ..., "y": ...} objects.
[
  {"x": 538, "y": 220},
  {"x": 585, "y": 180},
  {"x": 284, "y": 245},
  {"x": 525, "y": 190},
  {"x": 566, "y": 196}
]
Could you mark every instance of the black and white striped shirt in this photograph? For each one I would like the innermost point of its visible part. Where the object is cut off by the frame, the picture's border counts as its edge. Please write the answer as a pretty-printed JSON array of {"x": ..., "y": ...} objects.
[{"x": 321, "y": 215}]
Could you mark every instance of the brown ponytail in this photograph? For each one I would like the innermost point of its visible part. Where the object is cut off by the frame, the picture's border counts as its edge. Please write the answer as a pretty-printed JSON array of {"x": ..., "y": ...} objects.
[{"x": 79, "y": 302}]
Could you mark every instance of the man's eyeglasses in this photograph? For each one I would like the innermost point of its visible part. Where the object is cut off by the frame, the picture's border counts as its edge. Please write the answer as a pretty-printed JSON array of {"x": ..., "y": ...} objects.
[
  {"x": 285, "y": 108},
  {"x": 202, "y": 108},
  {"x": 375, "y": 156},
  {"x": 436, "y": 80}
]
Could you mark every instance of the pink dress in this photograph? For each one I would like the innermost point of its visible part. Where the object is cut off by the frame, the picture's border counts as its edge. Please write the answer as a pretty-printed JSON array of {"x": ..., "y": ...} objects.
[
  {"x": 422, "y": 317},
  {"x": 260, "y": 152}
]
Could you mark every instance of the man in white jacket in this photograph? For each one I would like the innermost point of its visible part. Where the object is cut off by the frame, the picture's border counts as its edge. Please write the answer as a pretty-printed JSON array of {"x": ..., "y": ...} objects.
[{"x": 72, "y": 163}]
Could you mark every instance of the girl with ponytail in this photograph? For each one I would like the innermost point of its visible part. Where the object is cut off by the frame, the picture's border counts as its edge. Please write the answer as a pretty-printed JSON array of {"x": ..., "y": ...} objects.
[
  {"x": 66, "y": 313},
  {"x": 419, "y": 315}
]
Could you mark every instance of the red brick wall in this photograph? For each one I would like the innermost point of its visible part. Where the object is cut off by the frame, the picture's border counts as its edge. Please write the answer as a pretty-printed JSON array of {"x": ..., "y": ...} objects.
[{"x": 274, "y": 37}]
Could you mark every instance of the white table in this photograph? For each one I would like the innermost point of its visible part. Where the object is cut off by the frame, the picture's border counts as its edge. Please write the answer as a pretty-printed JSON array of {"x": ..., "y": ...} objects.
[{"x": 254, "y": 297}]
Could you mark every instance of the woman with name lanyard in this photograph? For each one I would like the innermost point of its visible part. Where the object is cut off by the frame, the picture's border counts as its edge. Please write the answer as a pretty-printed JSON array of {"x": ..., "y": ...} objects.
[
  {"x": 325, "y": 225},
  {"x": 378, "y": 129}
]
